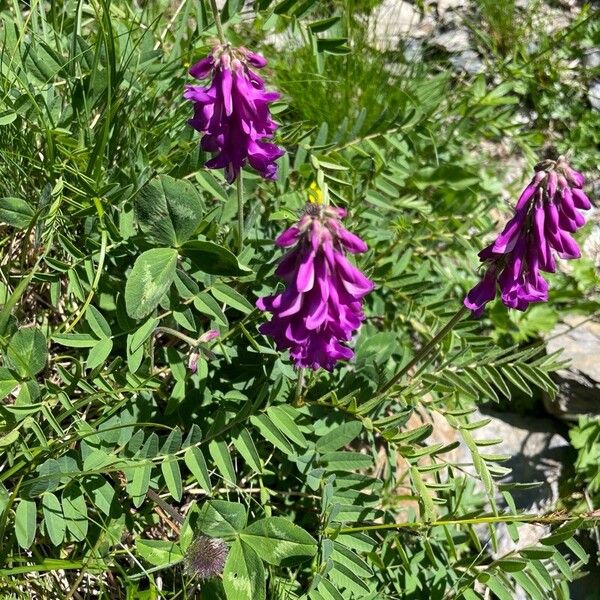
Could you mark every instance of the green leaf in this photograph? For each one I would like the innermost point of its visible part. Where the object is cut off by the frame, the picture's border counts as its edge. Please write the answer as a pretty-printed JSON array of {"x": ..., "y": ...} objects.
[
  {"x": 328, "y": 591},
  {"x": 75, "y": 512},
  {"x": 538, "y": 552},
  {"x": 15, "y": 212},
  {"x": 103, "y": 494},
  {"x": 142, "y": 334},
  {"x": 322, "y": 24},
  {"x": 149, "y": 280},
  {"x": 528, "y": 585},
  {"x": 268, "y": 430},
  {"x": 4, "y": 499},
  {"x": 75, "y": 340},
  {"x": 159, "y": 553},
  {"x": 172, "y": 475},
  {"x": 499, "y": 587},
  {"x": 423, "y": 493},
  {"x": 220, "y": 454},
  {"x": 6, "y": 118},
  {"x": 346, "y": 461},
  {"x": 220, "y": 518},
  {"x": 99, "y": 353},
  {"x": 339, "y": 437},
  {"x": 211, "y": 185},
  {"x": 98, "y": 324},
  {"x": 229, "y": 296},
  {"x": 168, "y": 210},
  {"x": 27, "y": 352},
  {"x": 350, "y": 559},
  {"x": 333, "y": 45},
  {"x": 213, "y": 259},
  {"x": 278, "y": 541},
  {"x": 141, "y": 474},
  {"x": 53, "y": 518},
  {"x": 244, "y": 574},
  {"x": 7, "y": 382},
  {"x": 9, "y": 438},
  {"x": 194, "y": 459},
  {"x": 207, "y": 305},
  {"x": 25, "y": 523},
  {"x": 282, "y": 419},
  {"x": 245, "y": 446}
]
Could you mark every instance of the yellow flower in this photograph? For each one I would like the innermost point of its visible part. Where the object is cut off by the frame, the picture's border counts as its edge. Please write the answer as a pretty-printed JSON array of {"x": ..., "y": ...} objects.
[{"x": 315, "y": 195}]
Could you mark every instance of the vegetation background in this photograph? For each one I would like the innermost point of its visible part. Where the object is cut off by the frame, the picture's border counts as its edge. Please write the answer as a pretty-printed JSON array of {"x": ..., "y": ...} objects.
[{"x": 118, "y": 250}]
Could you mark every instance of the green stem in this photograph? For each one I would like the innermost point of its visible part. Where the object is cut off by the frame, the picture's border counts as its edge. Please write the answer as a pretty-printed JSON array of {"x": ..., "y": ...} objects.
[
  {"x": 240, "y": 206},
  {"x": 299, "y": 387},
  {"x": 526, "y": 518},
  {"x": 427, "y": 348},
  {"x": 184, "y": 338},
  {"x": 217, "y": 18},
  {"x": 170, "y": 510}
]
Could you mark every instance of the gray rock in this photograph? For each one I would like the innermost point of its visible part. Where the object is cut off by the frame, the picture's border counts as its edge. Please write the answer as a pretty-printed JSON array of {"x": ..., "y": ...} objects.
[
  {"x": 454, "y": 40},
  {"x": 579, "y": 383},
  {"x": 467, "y": 61},
  {"x": 443, "y": 6},
  {"x": 452, "y": 11},
  {"x": 591, "y": 246},
  {"x": 390, "y": 22},
  {"x": 537, "y": 452},
  {"x": 413, "y": 50},
  {"x": 594, "y": 95},
  {"x": 591, "y": 58}
]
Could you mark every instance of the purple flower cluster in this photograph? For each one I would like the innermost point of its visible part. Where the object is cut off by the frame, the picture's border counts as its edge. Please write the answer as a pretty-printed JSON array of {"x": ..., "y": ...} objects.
[
  {"x": 321, "y": 305},
  {"x": 233, "y": 112},
  {"x": 206, "y": 556},
  {"x": 545, "y": 216}
]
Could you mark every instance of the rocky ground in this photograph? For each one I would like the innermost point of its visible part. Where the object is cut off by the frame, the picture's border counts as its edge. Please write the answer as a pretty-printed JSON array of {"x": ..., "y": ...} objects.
[{"x": 448, "y": 26}]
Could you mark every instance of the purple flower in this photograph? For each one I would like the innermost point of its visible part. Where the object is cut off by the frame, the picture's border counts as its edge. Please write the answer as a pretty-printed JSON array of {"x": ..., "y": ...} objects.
[
  {"x": 546, "y": 214},
  {"x": 233, "y": 112},
  {"x": 321, "y": 306},
  {"x": 200, "y": 350},
  {"x": 205, "y": 558}
]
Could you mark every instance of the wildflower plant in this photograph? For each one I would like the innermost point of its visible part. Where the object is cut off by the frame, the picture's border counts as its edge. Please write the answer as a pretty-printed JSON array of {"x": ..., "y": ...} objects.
[{"x": 163, "y": 432}]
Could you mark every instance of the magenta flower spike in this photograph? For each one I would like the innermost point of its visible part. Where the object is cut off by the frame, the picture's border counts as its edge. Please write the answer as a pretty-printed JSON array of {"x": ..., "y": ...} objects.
[
  {"x": 232, "y": 113},
  {"x": 321, "y": 306},
  {"x": 546, "y": 214}
]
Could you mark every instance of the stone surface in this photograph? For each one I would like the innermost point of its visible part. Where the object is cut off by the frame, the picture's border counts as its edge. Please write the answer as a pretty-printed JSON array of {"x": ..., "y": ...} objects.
[
  {"x": 413, "y": 50},
  {"x": 468, "y": 62},
  {"x": 443, "y": 6},
  {"x": 536, "y": 449},
  {"x": 591, "y": 246},
  {"x": 390, "y": 22},
  {"x": 579, "y": 383},
  {"x": 537, "y": 452},
  {"x": 591, "y": 58},
  {"x": 594, "y": 95},
  {"x": 454, "y": 40}
]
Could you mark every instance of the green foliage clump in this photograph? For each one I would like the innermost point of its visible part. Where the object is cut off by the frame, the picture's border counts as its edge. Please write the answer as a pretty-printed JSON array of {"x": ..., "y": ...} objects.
[{"x": 119, "y": 251}]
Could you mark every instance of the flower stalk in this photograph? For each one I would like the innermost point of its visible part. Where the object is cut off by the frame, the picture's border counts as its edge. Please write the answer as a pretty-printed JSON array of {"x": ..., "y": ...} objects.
[
  {"x": 549, "y": 519},
  {"x": 240, "y": 207},
  {"x": 217, "y": 18},
  {"x": 427, "y": 348}
]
